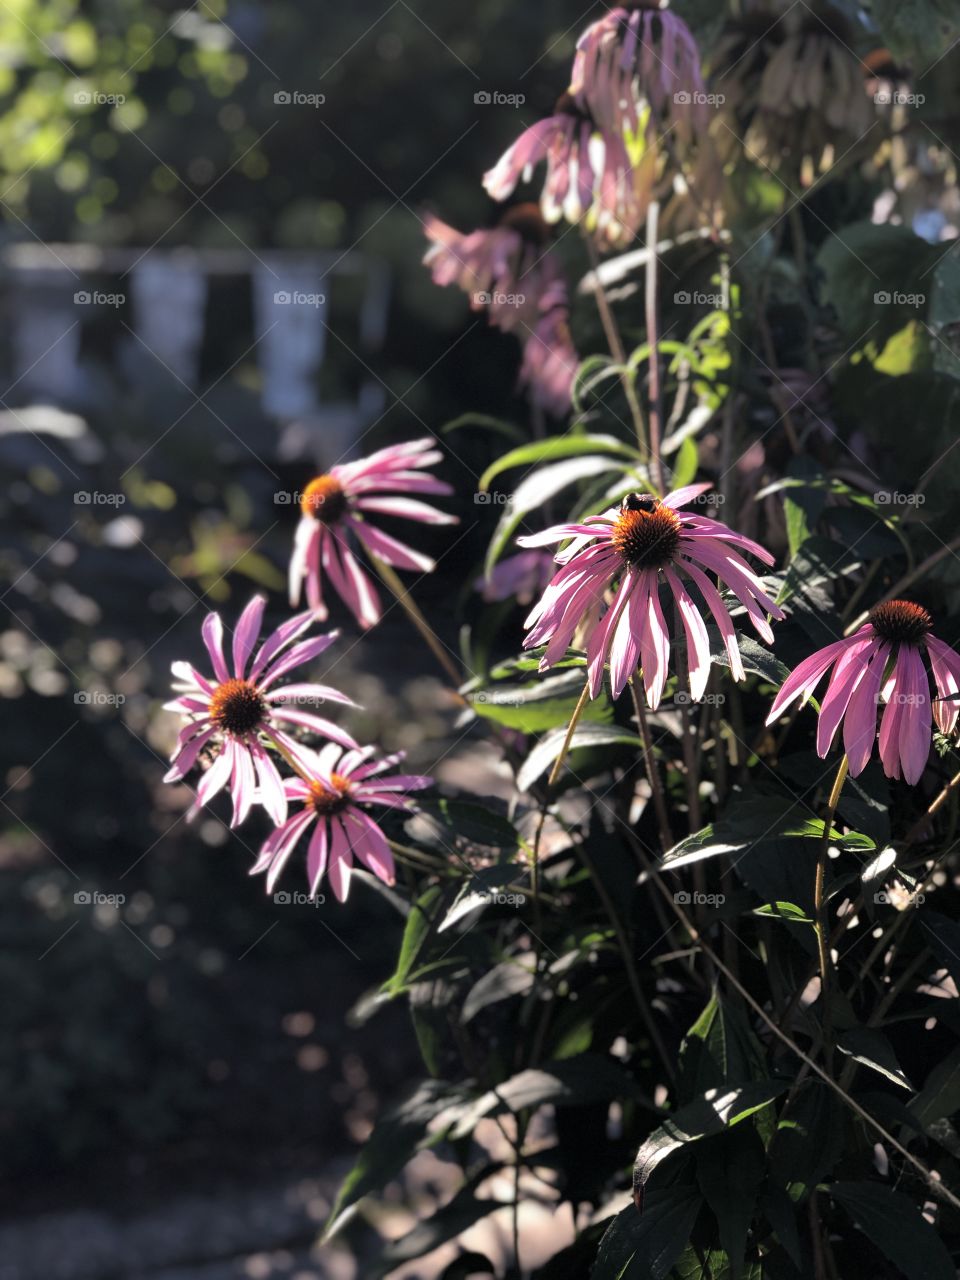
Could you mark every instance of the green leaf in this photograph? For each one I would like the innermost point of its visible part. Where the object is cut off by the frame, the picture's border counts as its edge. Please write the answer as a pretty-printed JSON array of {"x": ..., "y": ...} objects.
[
  {"x": 894, "y": 1224},
  {"x": 755, "y": 658},
  {"x": 917, "y": 31},
  {"x": 539, "y": 704},
  {"x": 462, "y": 827},
  {"x": 586, "y": 735},
  {"x": 719, "y": 1049},
  {"x": 873, "y": 1049},
  {"x": 555, "y": 447},
  {"x": 485, "y": 423},
  {"x": 939, "y": 1098},
  {"x": 730, "y": 1170},
  {"x": 750, "y": 823},
  {"x": 573, "y": 1082},
  {"x": 509, "y": 978},
  {"x": 644, "y": 1246},
  {"x": 686, "y": 463},
  {"x": 943, "y": 938},
  {"x": 420, "y": 924},
  {"x": 398, "y": 1135},
  {"x": 782, "y": 1216},
  {"x": 538, "y": 488},
  {"x": 809, "y": 1140},
  {"x": 717, "y": 1110},
  {"x": 484, "y": 887},
  {"x": 788, "y": 911}
]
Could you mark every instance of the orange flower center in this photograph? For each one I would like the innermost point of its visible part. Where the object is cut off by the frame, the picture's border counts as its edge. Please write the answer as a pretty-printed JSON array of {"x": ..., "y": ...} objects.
[
  {"x": 324, "y": 499},
  {"x": 237, "y": 707},
  {"x": 901, "y": 621},
  {"x": 323, "y": 801},
  {"x": 646, "y": 533}
]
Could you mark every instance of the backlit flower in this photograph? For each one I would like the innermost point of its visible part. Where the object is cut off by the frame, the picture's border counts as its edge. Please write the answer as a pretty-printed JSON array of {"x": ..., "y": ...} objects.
[
  {"x": 233, "y": 715},
  {"x": 644, "y": 545},
  {"x": 881, "y": 665},
  {"x": 638, "y": 67},
  {"x": 590, "y": 176},
  {"x": 519, "y": 577},
  {"x": 550, "y": 362},
  {"x": 335, "y": 518},
  {"x": 334, "y": 803},
  {"x": 505, "y": 270}
]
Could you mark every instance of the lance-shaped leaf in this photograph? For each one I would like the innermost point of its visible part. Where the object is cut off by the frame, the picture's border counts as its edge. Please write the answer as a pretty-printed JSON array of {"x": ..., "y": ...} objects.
[
  {"x": 897, "y": 1228},
  {"x": 644, "y": 1246},
  {"x": 587, "y": 735},
  {"x": 568, "y": 446}
]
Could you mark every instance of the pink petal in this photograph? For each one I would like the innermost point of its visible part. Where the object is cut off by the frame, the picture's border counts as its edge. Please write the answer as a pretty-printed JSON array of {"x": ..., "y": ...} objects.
[
  {"x": 804, "y": 679},
  {"x": 217, "y": 776},
  {"x": 406, "y": 507},
  {"x": 698, "y": 642},
  {"x": 915, "y": 720},
  {"x": 285, "y": 634},
  {"x": 945, "y": 665},
  {"x": 246, "y": 633},
  {"x": 390, "y": 549},
  {"x": 303, "y": 652},
  {"x": 655, "y": 650},
  {"x": 212, "y": 631},
  {"x": 317, "y": 856},
  {"x": 848, "y": 671},
  {"x": 860, "y": 721},
  {"x": 340, "y": 859}
]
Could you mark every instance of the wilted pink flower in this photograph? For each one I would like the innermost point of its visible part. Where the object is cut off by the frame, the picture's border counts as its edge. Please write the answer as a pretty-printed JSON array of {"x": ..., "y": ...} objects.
[
  {"x": 638, "y": 68},
  {"x": 589, "y": 173},
  {"x": 334, "y": 801},
  {"x": 550, "y": 362},
  {"x": 519, "y": 577},
  {"x": 506, "y": 270},
  {"x": 881, "y": 664},
  {"x": 334, "y": 518},
  {"x": 231, "y": 713},
  {"x": 645, "y": 543}
]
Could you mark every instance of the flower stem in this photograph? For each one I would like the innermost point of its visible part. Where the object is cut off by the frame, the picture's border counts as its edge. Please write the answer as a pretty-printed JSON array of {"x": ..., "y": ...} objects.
[
  {"x": 393, "y": 583},
  {"x": 615, "y": 344},
  {"x": 653, "y": 340},
  {"x": 822, "y": 924},
  {"x": 653, "y": 773}
]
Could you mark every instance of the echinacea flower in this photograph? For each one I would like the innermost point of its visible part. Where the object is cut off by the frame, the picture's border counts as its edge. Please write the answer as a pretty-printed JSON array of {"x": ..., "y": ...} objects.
[
  {"x": 638, "y": 67},
  {"x": 636, "y": 549},
  {"x": 550, "y": 362},
  {"x": 232, "y": 713},
  {"x": 590, "y": 176},
  {"x": 334, "y": 802},
  {"x": 505, "y": 270},
  {"x": 881, "y": 664},
  {"x": 519, "y": 577},
  {"x": 335, "y": 510}
]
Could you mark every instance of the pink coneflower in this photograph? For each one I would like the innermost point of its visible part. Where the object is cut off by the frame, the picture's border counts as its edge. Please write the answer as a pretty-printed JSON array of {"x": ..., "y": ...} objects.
[
  {"x": 881, "y": 664},
  {"x": 232, "y": 713},
  {"x": 638, "y": 68},
  {"x": 550, "y": 362},
  {"x": 506, "y": 270},
  {"x": 589, "y": 173},
  {"x": 519, "y": 577},
  {"x": 642, "y": 545},
  {"x": 334, "y": 518},
  {"x": 341, "y": 785}
]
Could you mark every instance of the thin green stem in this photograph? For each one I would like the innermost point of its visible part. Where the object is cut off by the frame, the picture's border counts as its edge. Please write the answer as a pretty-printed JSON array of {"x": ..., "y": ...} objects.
[
  {"x": 653, "y": 341},
  {"x": 392, "y": 581},
  {"x": 653, "y": 773}
]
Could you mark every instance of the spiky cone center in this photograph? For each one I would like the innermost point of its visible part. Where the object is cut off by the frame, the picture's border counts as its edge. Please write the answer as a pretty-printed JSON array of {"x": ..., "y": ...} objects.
[
  {"x": 324, "y": 801},
  {"x": 324, "y": 499},
  {"x": 237, "y": 707},
  {"x": 901, "y": 621},
  {"x": 646, "y": 534}
]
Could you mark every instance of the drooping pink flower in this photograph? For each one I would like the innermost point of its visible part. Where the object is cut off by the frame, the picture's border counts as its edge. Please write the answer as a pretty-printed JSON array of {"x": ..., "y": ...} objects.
[
  {"x": 506, "y": 270},
  {"x": 590, "y": 177},
  {"x": 335, "y": 510},
  {"x": 334, "y": 802},
  {"x": 638, "y": 68},
  {"x": 881, "y": 664},
  {"x": 645, "y": 544},
  {"x": 519, "y": 577},
  {"x": 232, "y": 713},
  {"x": 550, "y": 362}
]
